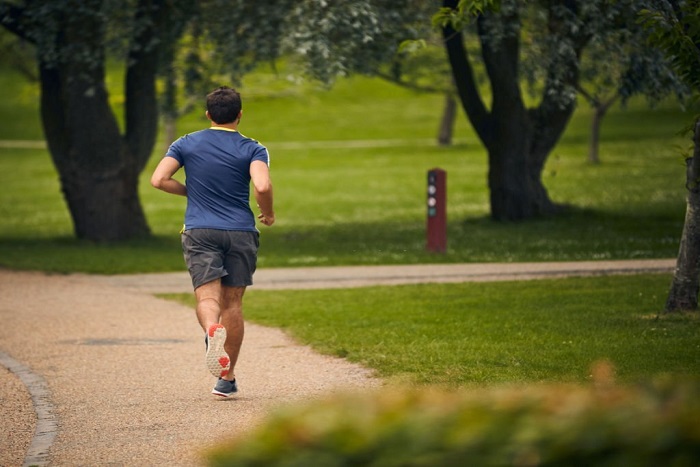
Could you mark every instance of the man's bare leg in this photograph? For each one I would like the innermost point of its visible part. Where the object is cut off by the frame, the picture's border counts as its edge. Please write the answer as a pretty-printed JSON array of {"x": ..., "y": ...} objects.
[
  {"x": 209, "y": 298},
  {"x": 232, "y": 319},
  {"x": 208, "y": 303}
]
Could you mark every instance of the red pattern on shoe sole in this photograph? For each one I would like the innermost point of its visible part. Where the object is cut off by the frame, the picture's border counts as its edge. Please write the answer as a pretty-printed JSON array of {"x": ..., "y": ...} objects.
[
  {"x": 216, "y": 359},
  {"x": 213, "y": 328},
  {"x": 224, "y": 362}
]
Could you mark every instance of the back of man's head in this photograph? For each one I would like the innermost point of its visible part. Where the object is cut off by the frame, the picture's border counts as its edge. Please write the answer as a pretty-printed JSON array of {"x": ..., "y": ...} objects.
[{"x": 224, "y": 105}]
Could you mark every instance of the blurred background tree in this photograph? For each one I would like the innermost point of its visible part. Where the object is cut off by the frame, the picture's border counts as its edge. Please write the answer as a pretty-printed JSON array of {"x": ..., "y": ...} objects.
[
  {"x": 539, "y": 44},
  {"x": 674, "y": 26},
  {"x": 620, "y": 63},
  {"x": 98, "y": 163}
]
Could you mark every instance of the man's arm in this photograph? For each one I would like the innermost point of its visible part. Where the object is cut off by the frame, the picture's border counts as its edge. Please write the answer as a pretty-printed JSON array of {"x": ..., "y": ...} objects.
[
  {"x": 262, "y": 190},
  {"x": 162, "y": 177}
]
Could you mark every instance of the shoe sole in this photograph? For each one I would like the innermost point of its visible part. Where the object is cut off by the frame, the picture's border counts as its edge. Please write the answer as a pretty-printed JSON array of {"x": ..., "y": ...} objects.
[
  {"x": 222, "y": 394},
  {"x": 216, "y": 358}
]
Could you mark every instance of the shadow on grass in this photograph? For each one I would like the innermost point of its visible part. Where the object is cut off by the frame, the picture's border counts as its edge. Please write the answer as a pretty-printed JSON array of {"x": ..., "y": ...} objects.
[
  {"x": 576, "y": 235},
  {"x": 571, "y": 236},
  {"x": 66, "y": 254}
]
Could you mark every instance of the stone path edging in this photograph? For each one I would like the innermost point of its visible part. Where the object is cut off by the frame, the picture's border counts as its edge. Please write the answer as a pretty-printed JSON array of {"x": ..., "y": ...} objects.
[{"x": 46, "y": 423}]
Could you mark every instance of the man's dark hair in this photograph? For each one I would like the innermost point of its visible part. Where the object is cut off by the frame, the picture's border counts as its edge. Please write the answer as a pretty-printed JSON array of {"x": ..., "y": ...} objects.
[{"x": 223, "y": 105}]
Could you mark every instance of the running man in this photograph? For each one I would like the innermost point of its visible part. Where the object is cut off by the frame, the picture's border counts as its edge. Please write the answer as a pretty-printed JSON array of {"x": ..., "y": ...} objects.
[{"x": 219, "y": 239}]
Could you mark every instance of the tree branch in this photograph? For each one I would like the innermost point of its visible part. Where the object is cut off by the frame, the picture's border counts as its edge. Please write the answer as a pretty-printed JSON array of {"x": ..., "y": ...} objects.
[
  {"x": 554, "y": 111},
  {"x": 12, "y": 17},
  {"x": 502, "y": 62},
  {"x": 587, "y": 95},
  {"x": 463, "y": 75},
  {"x": 141, "y": 109}
]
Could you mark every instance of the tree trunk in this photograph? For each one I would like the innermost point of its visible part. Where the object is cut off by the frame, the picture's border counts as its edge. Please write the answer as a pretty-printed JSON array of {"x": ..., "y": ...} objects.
[
  {"x": 594, "y": 140},
  {"x": 683, "y": 295},
  {"x": 98, "y": 167},
  {"x": 518, "y": 140},
  {"x": 141, "y": 98},
  {"x": 447, "y": 122},
  {"x": 509, "y": 181},
  {"x": 516, "y": 192},
  {"x": 600, "y": 109},
  {"x": 99, "y": 184}
]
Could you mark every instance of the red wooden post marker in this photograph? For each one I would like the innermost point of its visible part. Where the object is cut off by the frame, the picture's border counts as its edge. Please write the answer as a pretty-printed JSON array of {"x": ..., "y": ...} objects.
[{"x": 436, "y": 233}]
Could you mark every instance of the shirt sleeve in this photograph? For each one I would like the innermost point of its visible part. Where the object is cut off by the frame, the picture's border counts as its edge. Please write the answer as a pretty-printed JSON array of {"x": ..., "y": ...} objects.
[
  {"x": 175, "y": 151},
  {"x": 261, "y": 154}
]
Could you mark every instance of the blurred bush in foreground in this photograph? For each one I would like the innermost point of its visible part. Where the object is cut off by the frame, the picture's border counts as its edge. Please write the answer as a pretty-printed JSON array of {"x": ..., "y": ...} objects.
[{"x": 603, "y": 425}]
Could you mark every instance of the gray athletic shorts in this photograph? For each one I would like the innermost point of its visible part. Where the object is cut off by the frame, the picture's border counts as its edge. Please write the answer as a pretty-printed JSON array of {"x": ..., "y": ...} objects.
[{"x": 230, "y": 255}]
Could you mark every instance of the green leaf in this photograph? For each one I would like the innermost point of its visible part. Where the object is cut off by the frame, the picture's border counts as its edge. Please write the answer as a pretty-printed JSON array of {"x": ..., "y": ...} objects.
[{"x": 412, "y": 46}]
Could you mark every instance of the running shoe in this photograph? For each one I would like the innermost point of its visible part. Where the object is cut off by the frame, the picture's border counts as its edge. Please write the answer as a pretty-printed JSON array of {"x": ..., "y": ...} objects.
[
  {"x": 225, "y": 388},
  {"x": 216, "y": 358}
]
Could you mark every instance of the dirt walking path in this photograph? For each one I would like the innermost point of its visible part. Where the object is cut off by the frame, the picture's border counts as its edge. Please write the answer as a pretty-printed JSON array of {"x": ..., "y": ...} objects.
[
  {"x": 126, "y": 377},
  {"x": 95, "y": 370}
]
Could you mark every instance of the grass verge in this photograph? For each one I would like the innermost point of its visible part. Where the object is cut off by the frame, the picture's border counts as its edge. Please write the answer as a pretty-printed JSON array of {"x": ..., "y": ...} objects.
[{"x": 491, "y": 333}]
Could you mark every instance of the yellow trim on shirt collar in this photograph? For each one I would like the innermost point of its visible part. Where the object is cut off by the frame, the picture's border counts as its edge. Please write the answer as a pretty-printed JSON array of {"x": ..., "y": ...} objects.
[{"x": 222, "y": 128}]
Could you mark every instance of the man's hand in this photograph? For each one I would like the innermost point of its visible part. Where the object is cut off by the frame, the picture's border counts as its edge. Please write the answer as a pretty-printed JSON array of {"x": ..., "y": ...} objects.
[{"x": 266, "y": 220}]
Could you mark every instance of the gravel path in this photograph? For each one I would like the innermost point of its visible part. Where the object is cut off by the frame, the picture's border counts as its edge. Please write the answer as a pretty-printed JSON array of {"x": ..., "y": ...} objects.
[
  {"x": 126, "y": 376},
  {"x": 107, "y": 374}
]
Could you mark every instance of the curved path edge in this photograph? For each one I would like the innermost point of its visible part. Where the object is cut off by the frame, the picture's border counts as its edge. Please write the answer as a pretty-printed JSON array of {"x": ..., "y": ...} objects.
[{"x": 46, "y": 420}]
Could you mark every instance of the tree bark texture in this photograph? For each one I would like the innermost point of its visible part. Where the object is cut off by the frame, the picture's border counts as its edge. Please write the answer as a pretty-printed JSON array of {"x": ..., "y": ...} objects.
[
  {"x": 99, "y": 184},
  {"x": 683, "y": 295},
  {"x": 99, "y": 167},
  {"x": 600, "y": 109},
  {"x": 447, "y": 122},
  {"x": 594, "y": 140},
  {"x": 518, "y": 140}
]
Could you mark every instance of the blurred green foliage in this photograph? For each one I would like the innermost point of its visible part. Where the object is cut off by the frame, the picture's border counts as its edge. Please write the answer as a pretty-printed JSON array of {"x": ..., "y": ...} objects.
[{"x": 650, "y": 424}]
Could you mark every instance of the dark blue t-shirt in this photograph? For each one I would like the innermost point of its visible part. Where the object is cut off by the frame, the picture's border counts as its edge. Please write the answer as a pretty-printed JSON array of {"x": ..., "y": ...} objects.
[{"x": 217, "y": 170}]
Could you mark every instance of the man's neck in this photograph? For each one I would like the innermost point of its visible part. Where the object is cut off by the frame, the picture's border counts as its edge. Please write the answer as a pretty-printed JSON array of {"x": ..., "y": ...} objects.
[{"x": 228, "y": 126}]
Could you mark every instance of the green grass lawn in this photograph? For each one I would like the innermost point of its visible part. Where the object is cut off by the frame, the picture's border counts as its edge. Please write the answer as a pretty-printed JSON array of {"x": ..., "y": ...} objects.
[
  {"x": 366, "y": 205},
  {"x": 491, "y": 333}
]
